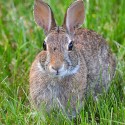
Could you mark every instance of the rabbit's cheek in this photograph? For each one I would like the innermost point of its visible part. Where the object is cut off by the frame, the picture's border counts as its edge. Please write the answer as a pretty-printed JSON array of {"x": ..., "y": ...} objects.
[{"x": 73, "y": 57}]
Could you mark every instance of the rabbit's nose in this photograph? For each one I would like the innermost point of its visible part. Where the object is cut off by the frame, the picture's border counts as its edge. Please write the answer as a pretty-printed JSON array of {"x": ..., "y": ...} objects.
[{"x": 56, "y": 69}]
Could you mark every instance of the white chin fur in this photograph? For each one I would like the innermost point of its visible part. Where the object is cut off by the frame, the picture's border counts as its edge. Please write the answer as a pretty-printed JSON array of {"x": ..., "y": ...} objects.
[{"x": 69, "y": 72}]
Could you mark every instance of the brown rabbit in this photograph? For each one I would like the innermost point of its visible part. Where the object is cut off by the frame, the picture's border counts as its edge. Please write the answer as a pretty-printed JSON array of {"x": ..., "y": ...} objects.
[{"x": 75, "y": 61}]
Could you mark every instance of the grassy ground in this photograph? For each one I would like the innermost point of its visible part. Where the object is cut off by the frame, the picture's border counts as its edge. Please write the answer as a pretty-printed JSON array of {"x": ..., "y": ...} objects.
[{"x": 21, "y": 40}]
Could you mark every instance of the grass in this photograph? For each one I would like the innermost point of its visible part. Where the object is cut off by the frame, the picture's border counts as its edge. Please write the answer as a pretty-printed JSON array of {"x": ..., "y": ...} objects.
[{"x": 20, "y": 41}]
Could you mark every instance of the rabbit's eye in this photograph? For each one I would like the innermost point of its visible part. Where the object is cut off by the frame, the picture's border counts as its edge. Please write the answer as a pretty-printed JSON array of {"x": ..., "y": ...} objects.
[
  {"x": 70, "y": 46},
  {"x": 44, "y": 45}
]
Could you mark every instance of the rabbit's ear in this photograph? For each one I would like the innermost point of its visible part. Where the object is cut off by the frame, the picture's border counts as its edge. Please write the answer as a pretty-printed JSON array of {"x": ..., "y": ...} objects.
[
  {"x": 44, "y": 16},
  {"x": 74, "y": 17}
]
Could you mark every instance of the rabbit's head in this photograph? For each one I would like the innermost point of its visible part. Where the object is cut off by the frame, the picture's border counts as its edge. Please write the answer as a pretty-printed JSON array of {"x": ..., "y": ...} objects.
[{"x": 60, "y": 56}]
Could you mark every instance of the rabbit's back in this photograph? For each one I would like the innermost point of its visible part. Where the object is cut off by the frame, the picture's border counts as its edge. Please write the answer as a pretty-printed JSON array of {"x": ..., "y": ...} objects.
[{"x": 99, "y": 60}]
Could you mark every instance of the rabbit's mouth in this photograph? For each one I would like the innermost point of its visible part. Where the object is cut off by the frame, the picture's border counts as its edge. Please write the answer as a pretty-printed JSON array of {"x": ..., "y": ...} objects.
[
  {"x": 65, "y": 72},
  {"x": 58, "y": 73}
]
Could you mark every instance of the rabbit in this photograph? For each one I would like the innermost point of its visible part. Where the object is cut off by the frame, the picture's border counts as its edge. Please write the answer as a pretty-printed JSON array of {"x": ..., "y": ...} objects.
[{"x": 74, "y": 61}]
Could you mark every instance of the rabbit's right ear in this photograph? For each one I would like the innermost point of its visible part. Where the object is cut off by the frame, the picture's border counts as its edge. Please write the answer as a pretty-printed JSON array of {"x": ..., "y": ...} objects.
[
  {"x": 44, "y": 16},
  {"x": 74, "y": 17}
]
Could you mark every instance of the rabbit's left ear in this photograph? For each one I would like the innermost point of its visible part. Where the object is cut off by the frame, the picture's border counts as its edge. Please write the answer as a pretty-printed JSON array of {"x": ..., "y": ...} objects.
[
  {"x": 44, "y": 16},
  {"x": 74, "y": 17}
]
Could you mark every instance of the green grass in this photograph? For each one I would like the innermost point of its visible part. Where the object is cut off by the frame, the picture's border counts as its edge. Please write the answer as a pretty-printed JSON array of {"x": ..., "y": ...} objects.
[{"x": 20, "y": 41}]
